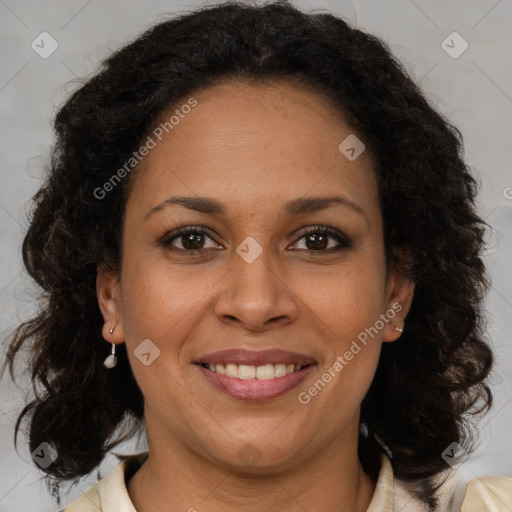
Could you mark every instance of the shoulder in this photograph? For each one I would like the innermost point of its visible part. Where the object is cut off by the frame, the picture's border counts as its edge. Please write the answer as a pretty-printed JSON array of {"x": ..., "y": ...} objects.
[
  {"x": 483, "y": 494},
  {"x": 488, "y": 493},
  {"x": 110, "y": 493}
]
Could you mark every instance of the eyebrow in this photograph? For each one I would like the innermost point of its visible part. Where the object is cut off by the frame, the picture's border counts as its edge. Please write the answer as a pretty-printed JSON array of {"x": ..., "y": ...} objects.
[{"x": 298, "y": 206}]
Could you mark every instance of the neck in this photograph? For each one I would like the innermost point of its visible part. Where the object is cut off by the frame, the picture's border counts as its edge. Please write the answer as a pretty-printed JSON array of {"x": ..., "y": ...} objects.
[{"x": 175, "y": 478}]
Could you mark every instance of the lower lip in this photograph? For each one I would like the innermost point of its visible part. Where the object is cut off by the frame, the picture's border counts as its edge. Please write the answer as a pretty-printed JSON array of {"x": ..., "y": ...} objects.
[{"x": 255, "y": 389}]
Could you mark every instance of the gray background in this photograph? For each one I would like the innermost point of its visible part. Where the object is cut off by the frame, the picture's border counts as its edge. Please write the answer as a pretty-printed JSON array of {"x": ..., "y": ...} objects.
[{"x": 474, "y": 91}]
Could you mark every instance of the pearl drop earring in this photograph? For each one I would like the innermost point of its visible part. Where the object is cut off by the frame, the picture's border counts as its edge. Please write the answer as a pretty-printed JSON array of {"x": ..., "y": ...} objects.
[{"x": 111, "y": 360}]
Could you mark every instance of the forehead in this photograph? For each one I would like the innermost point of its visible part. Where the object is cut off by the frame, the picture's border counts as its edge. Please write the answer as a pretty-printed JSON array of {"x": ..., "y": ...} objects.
[{"x": 256, "y": 144}]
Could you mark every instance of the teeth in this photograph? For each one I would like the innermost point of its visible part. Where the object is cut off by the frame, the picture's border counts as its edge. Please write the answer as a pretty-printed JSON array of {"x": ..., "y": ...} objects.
[
  {"x": 246, "y": 372},
  {"x": 231, "y": 370},
  {"x": 266, "y": 372},
  {"x": 263, "y": 372},
  {"x": 280, "y": 369}
]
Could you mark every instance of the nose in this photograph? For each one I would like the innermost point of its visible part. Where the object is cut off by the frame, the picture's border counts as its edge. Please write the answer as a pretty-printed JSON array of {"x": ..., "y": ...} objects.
[{"x": 256, "y": 296}]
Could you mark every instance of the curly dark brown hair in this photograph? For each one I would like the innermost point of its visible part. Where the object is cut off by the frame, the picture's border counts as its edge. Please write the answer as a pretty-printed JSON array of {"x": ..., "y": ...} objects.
[{"x": 429, "y": 385}]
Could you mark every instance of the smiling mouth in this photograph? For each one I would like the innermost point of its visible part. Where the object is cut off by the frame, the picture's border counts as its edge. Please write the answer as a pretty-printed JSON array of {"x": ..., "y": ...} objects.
[
  {"x": 255, "y": 375},
  {"x": 255, "y": 383},
  {"x": 266, "y": 371}
]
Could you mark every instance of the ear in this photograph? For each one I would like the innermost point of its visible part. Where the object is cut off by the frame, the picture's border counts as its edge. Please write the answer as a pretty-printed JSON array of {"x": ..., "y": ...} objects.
[
  {"x": 108, "y": 294},
  {"x": 399, "y": 295}
]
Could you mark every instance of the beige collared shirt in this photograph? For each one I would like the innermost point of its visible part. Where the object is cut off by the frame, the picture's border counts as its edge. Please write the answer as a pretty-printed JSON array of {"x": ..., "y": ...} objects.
[{"x": 487, "y": 494}]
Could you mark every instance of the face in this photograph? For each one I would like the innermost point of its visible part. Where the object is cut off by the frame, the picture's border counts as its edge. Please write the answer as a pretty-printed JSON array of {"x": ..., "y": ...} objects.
[{"x": 257, "y": 282}]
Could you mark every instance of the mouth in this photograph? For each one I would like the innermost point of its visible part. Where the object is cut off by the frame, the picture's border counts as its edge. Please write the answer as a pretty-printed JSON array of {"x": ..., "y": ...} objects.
[{"x": 255, "y": 375}]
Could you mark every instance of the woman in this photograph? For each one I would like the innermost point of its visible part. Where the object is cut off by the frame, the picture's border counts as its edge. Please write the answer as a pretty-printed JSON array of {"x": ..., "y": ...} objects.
[{"x": 275, "y": 235}]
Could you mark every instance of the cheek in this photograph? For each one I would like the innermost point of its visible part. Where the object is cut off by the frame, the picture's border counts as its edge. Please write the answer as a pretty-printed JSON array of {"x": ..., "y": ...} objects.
[
  {"x": 354, "y": 344},
  {"x": 349, "y": 303},
  {"x": 163, "y": 303},
  {"x": 347, "y": 300},
  {"x": 157, "y": 296},
  {"x": 153, "y": 308}
]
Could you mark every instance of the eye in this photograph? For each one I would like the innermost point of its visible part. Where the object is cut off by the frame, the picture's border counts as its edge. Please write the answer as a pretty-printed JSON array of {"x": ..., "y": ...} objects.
[
  {"x": 189, "y": 240},
  {"x": 317, "y": 240}
]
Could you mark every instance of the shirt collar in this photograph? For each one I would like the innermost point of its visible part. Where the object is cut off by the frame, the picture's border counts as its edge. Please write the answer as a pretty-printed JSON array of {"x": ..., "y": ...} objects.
[
  {"x": 382, "y": 500},
  {"x": 112, "y": 490}
]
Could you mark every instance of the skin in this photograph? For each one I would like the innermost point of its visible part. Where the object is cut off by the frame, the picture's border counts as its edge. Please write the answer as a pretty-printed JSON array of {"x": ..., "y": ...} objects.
[{"x": 252, "y": 148}]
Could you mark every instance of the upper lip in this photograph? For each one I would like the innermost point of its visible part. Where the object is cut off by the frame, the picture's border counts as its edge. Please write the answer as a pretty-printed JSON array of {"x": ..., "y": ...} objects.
[{"x": 255, "y": 357}]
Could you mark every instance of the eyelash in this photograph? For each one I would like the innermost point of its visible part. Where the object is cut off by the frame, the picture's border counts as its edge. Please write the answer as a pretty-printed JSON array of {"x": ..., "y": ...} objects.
[{"x": 344, "y": 241}]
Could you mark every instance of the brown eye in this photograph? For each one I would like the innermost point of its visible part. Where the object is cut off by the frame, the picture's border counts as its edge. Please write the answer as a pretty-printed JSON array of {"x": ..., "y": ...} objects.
[
  {"x": 319, "y": 240},
  {"x": 191, "y": 240}
]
